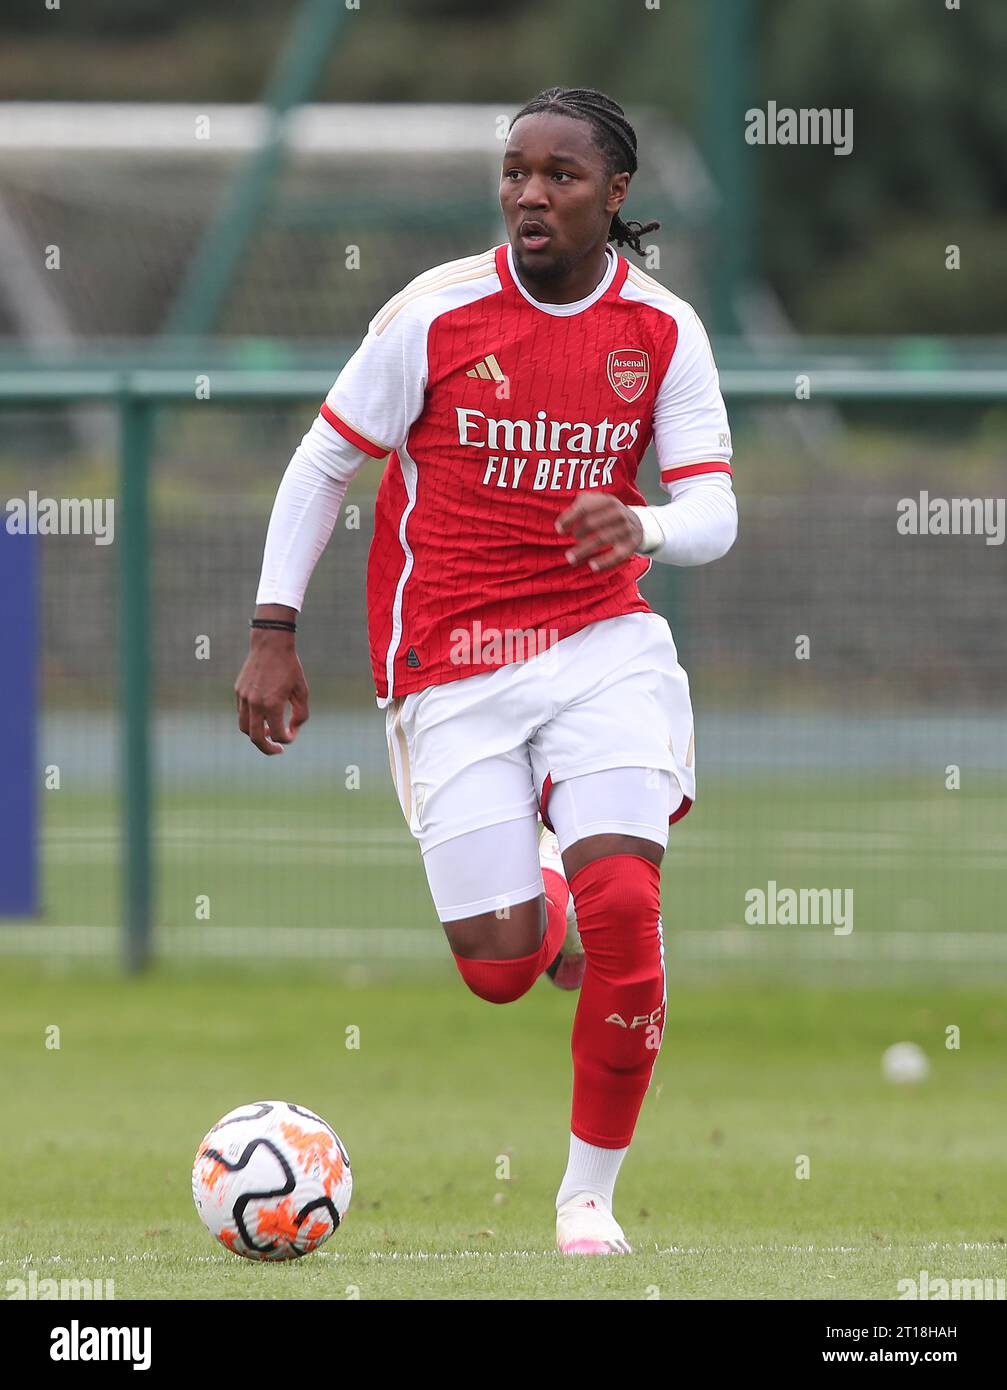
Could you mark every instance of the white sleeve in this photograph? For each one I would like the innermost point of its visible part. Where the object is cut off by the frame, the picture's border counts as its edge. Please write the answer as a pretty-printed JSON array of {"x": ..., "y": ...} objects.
[
  {"x": 367, "y": 413},
  {"x": 690, "y": 419},
  {"x": 693, "y": 443},
  {"x": 380, "y": 392},
  {"x": 698, "y": 525},
  {"x": 304, "y": 513}
]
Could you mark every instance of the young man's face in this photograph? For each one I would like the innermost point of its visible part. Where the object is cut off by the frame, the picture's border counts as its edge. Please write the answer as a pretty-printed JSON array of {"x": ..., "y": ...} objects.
[{"x": 557, "y": 197}]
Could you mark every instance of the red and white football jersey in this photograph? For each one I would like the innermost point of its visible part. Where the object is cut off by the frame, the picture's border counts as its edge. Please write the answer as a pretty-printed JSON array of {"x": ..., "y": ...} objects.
[{"x": 496, "y": 411}]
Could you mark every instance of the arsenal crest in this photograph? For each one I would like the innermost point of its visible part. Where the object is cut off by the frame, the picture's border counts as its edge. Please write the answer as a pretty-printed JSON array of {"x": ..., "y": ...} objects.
[{"x": 628, "y": 372}]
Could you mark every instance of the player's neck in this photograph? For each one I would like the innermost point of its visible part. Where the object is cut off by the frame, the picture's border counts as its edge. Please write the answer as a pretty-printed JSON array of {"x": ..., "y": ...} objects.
[{"x": 584, "y": 277}]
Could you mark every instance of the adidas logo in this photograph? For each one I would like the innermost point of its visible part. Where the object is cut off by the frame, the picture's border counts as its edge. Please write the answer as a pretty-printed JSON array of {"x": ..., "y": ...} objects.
[{"x": 487, "y": 370}]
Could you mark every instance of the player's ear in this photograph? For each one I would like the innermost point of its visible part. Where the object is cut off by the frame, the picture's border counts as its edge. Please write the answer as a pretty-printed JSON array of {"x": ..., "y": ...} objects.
[{"x": 618, "y": 192}]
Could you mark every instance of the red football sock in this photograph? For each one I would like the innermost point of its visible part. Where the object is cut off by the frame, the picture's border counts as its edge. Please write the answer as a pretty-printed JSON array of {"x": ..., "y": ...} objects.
[
  {"x": 503, "y": 981},
  {"x": 620, "y": 1014}
]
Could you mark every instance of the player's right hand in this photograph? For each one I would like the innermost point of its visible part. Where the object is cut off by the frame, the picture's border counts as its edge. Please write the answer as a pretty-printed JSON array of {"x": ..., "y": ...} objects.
[{"x": 271, "y": 677}]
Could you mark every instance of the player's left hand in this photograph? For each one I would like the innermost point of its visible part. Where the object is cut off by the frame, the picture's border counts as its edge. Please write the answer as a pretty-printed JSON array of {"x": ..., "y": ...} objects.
[{"x": 606, "y": 531}]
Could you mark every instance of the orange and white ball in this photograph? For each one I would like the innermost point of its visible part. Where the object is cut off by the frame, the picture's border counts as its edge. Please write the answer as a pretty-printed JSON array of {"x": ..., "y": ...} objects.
[{"x": 271, "y": 1181}]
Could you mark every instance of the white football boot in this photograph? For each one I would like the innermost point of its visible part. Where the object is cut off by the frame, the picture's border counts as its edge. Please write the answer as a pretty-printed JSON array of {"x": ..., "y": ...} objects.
[
  {"x": 567, "y": 970},
  {"x": 585, "y": 1226}
]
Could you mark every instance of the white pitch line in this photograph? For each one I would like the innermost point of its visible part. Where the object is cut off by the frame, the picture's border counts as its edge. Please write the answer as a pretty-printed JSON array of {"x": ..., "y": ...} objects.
[
  {"x": 257, "y": 856},
  {"x": 687, "y": 843},
  {"x": 280, "y": 834},
  {"x": 907, "y": 1247},
  {"x": 781, "y": 947}
]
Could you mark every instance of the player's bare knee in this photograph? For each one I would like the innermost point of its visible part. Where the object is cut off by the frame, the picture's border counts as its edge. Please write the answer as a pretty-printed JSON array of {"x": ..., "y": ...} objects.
[
  {"x": 506, "y": 933},
  {"x": 496, "y": 952},
  {"x": 595, "y": 847}
]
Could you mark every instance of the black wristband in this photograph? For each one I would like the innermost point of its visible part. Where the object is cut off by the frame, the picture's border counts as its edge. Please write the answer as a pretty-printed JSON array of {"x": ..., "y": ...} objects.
[{"x": 273, "y": 624}]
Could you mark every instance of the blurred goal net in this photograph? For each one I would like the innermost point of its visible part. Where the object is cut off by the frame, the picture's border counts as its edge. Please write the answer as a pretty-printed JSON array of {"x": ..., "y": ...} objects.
[{"x": 365, "y": 198}]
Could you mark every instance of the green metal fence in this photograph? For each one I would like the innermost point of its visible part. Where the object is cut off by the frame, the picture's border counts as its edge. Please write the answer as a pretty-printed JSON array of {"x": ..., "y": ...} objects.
[{"x": 136, "y": 395}]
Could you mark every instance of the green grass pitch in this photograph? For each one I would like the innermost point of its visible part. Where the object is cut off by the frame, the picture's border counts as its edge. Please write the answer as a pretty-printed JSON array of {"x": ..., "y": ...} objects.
[
  {"x": 100, "y": 1135},
  {"x": 758, "y": 1068}
]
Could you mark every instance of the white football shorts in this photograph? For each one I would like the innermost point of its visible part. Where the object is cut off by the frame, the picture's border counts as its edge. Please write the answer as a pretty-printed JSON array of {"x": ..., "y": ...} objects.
[{"x": 488, "y": 749}]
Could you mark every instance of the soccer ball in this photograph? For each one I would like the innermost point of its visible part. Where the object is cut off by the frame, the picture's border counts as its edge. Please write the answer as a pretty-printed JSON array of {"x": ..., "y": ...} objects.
[{"x": 271, "y": 1181}]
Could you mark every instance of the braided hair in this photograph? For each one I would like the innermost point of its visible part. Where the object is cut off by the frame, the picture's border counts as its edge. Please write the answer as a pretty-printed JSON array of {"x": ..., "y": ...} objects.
[{"x": 614, "y": 136}]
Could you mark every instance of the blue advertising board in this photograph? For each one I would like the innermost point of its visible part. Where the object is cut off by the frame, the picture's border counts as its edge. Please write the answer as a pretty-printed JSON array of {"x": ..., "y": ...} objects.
[{"x": 19, "y": 772}]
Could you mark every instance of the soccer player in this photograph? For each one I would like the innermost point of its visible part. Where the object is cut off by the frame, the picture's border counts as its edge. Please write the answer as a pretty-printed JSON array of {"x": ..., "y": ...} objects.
[{"x": 521, "y": 671}]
